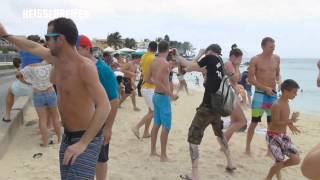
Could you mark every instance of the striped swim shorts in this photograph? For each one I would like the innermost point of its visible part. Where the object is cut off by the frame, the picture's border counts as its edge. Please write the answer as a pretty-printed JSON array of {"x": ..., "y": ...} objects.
[{"x": 85, "y": 165}]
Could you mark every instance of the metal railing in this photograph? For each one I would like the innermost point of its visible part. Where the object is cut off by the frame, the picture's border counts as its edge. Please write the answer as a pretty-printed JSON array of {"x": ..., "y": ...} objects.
[{"x": 7, "y": 57}]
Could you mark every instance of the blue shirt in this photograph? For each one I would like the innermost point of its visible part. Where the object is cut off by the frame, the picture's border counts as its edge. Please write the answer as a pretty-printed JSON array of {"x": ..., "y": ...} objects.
[
  {"x": 107, "y": 79},
  {"x": 28, "y": 58}
]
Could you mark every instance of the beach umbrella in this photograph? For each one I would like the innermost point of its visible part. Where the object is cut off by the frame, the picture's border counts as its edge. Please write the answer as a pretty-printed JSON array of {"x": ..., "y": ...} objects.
[
  {"x": 108, "y": 49},
  {"x": 138, "y": 53},
  {"x": 126, "y": 50}
]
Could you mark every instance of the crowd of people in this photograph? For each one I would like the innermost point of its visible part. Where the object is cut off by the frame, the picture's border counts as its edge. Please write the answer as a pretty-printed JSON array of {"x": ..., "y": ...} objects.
[{"x": 82, "y": 93}]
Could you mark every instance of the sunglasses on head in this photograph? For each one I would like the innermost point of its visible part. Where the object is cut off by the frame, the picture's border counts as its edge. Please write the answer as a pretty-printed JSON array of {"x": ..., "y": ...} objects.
[{"x": 53, "y": 35}]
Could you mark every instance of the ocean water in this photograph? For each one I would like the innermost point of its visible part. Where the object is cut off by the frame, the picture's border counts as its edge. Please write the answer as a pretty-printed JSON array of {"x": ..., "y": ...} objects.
[{"x": 304, "y": 71}]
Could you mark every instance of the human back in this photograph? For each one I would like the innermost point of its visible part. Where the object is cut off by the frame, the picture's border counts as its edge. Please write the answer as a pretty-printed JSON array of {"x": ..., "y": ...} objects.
[{"x": 160, "y": 70}]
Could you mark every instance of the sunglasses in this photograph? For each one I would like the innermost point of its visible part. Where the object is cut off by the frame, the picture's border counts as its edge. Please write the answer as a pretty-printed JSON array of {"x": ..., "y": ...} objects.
[{"x": 52, "y": 35}]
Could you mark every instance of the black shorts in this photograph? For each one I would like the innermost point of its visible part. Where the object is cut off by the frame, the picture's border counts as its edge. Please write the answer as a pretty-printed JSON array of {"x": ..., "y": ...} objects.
[
  {"x": 127, "y": 85},
  {"x": 258, "y": 119},
  {"x": 104, "y": 153}
]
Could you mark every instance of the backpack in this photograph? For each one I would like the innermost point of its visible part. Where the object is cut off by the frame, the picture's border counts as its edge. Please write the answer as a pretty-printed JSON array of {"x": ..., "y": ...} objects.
[{"x": 223, "y": 100}]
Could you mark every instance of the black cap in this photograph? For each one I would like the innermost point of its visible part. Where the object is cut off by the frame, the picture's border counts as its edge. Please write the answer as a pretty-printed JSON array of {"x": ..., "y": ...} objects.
[{"x": 215, "y": 48}]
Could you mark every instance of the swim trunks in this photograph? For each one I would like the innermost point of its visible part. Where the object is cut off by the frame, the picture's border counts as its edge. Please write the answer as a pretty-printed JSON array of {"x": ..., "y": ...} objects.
[
  {"x": 104, "y": 153},
  {"x": 280, "y": 145},
  {"x": 127, "y": 85},
  {"x": 162, "y": 110},
  {"x": 262, "y": 103},
  {"x": 84, "y": 166}
]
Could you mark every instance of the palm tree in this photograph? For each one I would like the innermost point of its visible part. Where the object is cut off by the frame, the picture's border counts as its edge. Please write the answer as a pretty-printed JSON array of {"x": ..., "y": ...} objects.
[
  {"x": 114, "y": 40},
  {"x": 167, "y": 38},
  {"x": 130, "y": 43},
  {"x": 158, "y": 39}
]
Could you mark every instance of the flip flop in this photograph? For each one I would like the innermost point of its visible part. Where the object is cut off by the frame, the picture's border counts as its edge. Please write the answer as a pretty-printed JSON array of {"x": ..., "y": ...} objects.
[
  {"x": 185, "y": 177},
  {"x": 230, "y": 169},
  {"x": 6, "y": 120},
  {"x": 37, "y": 155}
]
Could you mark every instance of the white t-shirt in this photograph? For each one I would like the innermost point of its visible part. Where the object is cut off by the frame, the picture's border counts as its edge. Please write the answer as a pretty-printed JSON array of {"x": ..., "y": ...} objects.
[{"x": 38, "y": 76}]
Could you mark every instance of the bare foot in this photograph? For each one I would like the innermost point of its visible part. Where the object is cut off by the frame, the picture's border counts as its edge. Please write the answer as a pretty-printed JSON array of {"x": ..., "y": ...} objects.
[
  {"x": 166, "y": 159},
  {"x": 248, "y": 152},
  {"x": 43, "y": 145},
  {"x": 146, "y": 136},
  {"x": 154, "y": 154},
  {"x": 135, "y": 132}
]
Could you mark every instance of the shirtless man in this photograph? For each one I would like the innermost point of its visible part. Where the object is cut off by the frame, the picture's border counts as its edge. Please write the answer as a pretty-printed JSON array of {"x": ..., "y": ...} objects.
[
  {"x": 311, "y": 162},
  {"x": 159, "y": 76},
  {"x": 130, "y": 73},
  {"x": 109, "y": 82},
  {"x": 83, "y": 103},
  {"x": 264, "y": 74}
]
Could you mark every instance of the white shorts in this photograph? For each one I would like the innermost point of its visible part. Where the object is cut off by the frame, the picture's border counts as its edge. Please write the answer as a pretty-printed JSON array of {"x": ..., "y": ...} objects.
[
  {"x": 20, "y": 89},
  {"x": 147, "y": 94},
  {"x": 180, "y": 77}
]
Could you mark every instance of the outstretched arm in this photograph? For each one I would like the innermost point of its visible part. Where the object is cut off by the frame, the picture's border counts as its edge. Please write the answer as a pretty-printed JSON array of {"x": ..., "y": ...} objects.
[
  {"x": 27, "y": 45},
  {"x": 191, "y": 65}
]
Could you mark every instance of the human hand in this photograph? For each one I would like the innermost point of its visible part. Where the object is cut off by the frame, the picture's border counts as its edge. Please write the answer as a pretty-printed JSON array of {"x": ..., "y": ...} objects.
[
  {"x": 72, "y": 152},
  {"x": 269, "y": 91},
  {"x": 174, "y": 97},
  {"x": 202, "y": 52},
  {"x": 107, "y": 135},
  {"x": 294, "y": 116},
  {"x": 3, "y": 31},
  {"x": 294, "y": 129}
]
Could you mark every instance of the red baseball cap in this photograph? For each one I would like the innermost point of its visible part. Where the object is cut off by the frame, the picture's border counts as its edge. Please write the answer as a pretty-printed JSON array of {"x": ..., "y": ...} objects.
[{"x": 84, "y": 41}]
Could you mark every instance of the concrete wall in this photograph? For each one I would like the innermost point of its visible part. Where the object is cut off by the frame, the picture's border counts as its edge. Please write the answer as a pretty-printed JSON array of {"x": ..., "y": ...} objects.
[{"x": 9, "y": 130}]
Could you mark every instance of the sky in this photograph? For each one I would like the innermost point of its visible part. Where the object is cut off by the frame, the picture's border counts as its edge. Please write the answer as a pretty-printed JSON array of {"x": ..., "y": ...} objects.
[{"x": 294, "y": 24}]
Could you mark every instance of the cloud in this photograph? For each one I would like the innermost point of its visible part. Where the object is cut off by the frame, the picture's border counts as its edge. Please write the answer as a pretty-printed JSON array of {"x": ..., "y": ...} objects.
[{"x": 293, "y": 23}]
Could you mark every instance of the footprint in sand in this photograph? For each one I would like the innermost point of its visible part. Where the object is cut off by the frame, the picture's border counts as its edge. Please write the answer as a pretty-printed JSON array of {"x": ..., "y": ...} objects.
[{"x": 31, "y": 123}]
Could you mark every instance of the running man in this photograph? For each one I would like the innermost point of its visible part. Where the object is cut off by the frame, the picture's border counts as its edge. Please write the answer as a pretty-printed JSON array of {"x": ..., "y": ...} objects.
[
  {"x": 204, "y": 115},
  {"x": 264, "y": 74},
  {"x": 109, "y": 82},
  {"x": 130, "y": 70},
  {"x": 159, "y": 75},
  {"x": 83, "y": 103},
  {"x": 147, "y": 91},
  {"x": 182, "y": 81}
]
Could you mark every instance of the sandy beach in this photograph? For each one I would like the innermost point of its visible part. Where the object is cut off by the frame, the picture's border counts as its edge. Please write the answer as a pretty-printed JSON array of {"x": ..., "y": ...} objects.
[{"x": 129, "y": 157}]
